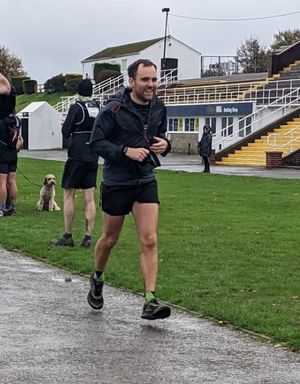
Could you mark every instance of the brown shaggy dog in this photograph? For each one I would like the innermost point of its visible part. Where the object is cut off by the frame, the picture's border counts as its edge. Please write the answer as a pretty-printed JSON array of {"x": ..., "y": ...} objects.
[{"x": 47, "y": 195}]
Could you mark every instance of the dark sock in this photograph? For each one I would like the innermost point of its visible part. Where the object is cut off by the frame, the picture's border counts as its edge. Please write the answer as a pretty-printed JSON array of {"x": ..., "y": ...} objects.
[
  {"x": 99, "y": 276},
  {"x": 67, "y": 235},
  {"x": 149, "y": 295},
  {"x": 87, "y": 237}
]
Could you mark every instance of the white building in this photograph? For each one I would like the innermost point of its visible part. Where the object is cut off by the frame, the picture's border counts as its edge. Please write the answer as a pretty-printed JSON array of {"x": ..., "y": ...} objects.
[
  {"x": 177, "y": 54},
  {"x": 41, "y": 126}
]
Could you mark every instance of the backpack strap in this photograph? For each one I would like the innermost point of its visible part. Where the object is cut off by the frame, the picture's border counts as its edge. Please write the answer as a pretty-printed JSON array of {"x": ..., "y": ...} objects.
[{"x": 83, "y": 112}]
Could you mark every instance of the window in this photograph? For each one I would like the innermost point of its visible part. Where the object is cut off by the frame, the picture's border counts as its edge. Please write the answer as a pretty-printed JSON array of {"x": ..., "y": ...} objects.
[
  {"x": 189, "y": 124},
  {"x": 227, "y": 128},
  {"x": 123, "y": 65},
  {"x": 230, "y": 126},
  {"x": 224, "y": 125},
  {"x": 173, "y": 125},
  {"x": 244, "y": 123},
  {"x": 211, "y": 121},
  {"x": 241, "y": 127},
  {"x": 248, "y": 125}
]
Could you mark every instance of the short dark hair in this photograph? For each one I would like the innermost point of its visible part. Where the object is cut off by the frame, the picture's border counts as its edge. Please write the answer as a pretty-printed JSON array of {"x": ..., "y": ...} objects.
[{"x": 133, "y": 67}]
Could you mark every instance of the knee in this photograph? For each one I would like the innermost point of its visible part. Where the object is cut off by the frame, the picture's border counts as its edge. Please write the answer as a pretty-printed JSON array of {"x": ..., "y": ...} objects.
[
  {"x": 90, "y": 207},
  {"x": 149, "y": 241},
  {"x": 109, "y": 240},
  {"x": 12, "y": 187}
]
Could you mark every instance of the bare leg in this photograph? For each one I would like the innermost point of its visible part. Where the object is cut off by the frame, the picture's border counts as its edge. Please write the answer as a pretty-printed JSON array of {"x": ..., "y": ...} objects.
[
  {"x": 112, "y": 226},
  {"x": 12, "y": 186},
  {"x": 3, "y": 188},
  {"x": 146, "y": 219},
  {"x": 90, "y": 210},
  {"x": 69, "y": 196}
]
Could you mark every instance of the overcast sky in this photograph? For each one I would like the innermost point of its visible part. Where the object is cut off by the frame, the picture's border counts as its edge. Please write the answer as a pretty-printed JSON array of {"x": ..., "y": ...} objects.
[{"x": 53, "y": 36}]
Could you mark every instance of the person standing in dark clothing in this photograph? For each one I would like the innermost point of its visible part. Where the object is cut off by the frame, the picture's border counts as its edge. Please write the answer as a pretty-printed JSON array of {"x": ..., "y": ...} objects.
[
  {"x": 80, "y": 171},
  {"x": 8, "y": 154},
  {"x": 129, "y": 133},
  {"x": 204, "y": 147}
]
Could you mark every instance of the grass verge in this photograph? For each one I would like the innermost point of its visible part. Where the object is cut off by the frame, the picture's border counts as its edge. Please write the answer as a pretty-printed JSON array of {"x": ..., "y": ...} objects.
[
  {"x": 228, "y": 245},
  {"x": 53, "y": 98}
]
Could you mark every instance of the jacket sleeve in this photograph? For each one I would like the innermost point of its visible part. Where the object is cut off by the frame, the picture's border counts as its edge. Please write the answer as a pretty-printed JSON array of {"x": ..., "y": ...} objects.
[
  {"x": 162, "y": 131},
  {"x": 69, "y": 123},
  {"x": 101, "y": 136},
  {"x": 209, "y": 142}
]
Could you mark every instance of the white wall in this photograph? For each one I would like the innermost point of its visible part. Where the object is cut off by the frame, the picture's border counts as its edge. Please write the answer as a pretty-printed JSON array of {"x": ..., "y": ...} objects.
[
  {"x": 188, "y": 59},
  {"x": 44, "y": 126}
]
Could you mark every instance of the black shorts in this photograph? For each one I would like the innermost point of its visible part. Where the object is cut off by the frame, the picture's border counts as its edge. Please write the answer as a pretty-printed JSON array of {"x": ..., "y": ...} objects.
[
  {"x": 8, "y": 162},
  {"x": 118, "y": 200},
  {"x": 79, "y": 174}
]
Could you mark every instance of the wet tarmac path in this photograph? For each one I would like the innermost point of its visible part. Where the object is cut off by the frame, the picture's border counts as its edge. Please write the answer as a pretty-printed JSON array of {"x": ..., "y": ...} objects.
[{"x": 48, "y": 335}]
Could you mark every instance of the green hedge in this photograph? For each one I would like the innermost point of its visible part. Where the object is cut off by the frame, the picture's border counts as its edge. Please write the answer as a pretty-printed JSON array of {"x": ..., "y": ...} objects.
[
  {"x": 98, "y": 67},
  {"x": 71, "y": 76},
  {"x": 72, "y": 84},
  {"x": 55, "y": 84},
  {"x": 17, "y": 83},
  {"x": 29, "y": 86},
  {"x": 106, "y": 74}
]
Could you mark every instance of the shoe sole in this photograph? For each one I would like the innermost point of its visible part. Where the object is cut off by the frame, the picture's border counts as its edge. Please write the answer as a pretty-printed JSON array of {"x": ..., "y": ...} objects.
[
  {"x": 163, "y": 313},
  {"x": 92, "y": 304}
]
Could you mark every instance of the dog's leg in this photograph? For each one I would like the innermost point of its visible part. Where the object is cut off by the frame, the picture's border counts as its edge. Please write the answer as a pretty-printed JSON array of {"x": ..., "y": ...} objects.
[
  {"x": 39, "y": 205},
  {"x": 55, "y": 206},
  {"x": 51, "y": 205}
]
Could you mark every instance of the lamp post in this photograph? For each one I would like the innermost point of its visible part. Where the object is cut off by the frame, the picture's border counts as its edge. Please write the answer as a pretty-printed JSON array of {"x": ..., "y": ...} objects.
[{"x": 167, "y": 10}]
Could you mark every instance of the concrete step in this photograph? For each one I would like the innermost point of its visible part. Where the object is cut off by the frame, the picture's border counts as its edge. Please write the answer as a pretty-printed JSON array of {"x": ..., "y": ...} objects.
[
  {"x": 238, "y": 159},
  {"x": 242, "y": 165},
  {"x": 259, "y": 143},
  {"x": 257, "y": 149},
  {"x": 245, "y": 162},
  {"x": 252, "y": 155}
]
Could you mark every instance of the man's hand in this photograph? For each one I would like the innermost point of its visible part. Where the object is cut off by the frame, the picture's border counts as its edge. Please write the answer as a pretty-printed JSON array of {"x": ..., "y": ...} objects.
[
  {"x": 137, "y": 154},
  {"x": 159, "y": 146}
]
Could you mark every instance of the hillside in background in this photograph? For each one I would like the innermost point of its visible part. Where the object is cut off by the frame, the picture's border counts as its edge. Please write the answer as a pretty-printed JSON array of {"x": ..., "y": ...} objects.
[{"x": 52, "y": 99}]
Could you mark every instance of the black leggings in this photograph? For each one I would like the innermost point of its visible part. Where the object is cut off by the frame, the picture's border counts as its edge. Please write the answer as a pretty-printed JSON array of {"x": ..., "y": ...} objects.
[{"x": 206, "y": 163}]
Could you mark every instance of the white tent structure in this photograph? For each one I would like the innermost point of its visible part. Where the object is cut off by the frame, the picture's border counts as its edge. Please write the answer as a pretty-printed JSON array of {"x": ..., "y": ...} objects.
[{"x": 41, "y": 126}]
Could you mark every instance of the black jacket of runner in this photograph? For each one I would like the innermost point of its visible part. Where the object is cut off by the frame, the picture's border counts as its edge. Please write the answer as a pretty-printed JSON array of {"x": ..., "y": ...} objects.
[
  {"x": 78, "y": 125},
  {"x": 118, "y": 125}
]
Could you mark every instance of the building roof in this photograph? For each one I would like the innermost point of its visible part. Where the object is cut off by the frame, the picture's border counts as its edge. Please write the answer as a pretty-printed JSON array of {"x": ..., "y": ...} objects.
[
  {"x": 235, "y": 78},
  {"x": 122, "y": 50},
  {"x": 285, "y": 48}
]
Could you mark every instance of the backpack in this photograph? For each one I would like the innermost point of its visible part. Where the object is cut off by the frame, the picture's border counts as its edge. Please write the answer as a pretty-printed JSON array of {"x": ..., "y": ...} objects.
[
  {"x": 90, "y": 108},
  {"x": 15, "y": 140}
]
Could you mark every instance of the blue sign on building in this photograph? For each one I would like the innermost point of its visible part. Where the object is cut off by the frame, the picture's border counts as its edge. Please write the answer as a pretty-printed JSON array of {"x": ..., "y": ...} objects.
[{"x": 220, "y": 109}]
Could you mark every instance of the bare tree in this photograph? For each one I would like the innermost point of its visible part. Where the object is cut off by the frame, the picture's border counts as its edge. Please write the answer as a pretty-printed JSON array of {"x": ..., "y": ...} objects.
[
  {"x": 283, "y": 38},
  {"x": 10, "y": 65},
  {"x": 252, "y": 57}
]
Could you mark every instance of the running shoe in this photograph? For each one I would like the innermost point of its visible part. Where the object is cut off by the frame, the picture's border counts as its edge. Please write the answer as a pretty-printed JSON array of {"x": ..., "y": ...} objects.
[
  {"x": 152, "y": 310},
  {"x": 95, "y": 295},
  {"x": 86, "y": 243},
  {"x": 63, "y": 241}
]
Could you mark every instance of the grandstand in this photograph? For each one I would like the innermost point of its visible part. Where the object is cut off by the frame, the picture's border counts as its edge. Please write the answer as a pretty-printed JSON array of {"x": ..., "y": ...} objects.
[{"x": 250, "y": 115}]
